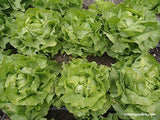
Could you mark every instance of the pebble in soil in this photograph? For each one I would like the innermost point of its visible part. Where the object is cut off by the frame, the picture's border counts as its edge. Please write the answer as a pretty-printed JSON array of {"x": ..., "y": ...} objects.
[{"x": 156, "y": 53}]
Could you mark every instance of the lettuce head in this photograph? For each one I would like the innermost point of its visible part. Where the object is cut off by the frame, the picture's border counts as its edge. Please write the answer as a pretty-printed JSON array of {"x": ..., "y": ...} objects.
[
  {"x": 82, "y": 33},
  {"x": 83, "y": 88},
  {"x": 36, "y": 31},
  {"x": 135, "y": 87},
  {"x": 130, "y": 30},
  {"x": 27, "y": 86}
]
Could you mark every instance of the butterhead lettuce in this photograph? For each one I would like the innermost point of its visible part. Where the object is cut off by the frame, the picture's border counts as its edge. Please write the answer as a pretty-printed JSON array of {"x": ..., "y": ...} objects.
[
  {"x": 135, "y": 87},
  {"x": 129, "y": 30},
  {"x": 83, "y": 88},
  {"x": 27, "y": 86},
  {"x": 37, "y": 31},
  {"x": 82, "y": 34}
]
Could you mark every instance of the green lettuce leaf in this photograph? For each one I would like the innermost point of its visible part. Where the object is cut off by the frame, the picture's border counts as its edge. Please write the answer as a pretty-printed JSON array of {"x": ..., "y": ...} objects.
[
  {"x": 15, "y": 4},
  {"x": 152, "y": 5},
  {"x": 83, "y": 88},
  {"x": 4, "y": 37},
  {"x": 27, "y": 86},
  {"x": 4, "y": 53}
]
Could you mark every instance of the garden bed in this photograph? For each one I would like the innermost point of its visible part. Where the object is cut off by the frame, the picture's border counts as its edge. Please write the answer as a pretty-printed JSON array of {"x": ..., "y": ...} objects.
[{"x": 63, "y": 114}]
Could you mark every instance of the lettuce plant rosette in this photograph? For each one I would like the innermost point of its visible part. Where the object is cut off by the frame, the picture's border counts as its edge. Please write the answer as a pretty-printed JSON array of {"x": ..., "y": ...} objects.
[
  {"x": 135, "y": 87},
  {"x": 129, "y": 30},
  {"x": 27, "y": 86},
  {"x": 82, "y": 33},
  {"x": 83, "y": 88},
  {"x": 37, "y": 31},
  {"x": 58, "y": 5}
]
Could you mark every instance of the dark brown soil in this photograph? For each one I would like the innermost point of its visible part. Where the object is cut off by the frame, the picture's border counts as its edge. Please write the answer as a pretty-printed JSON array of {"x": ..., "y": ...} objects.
[
  {"x": 117, "y": 1},
  {"x": 86, "y": 3},
  {"x": 59, "y": 114},
  {"x": 156, "y": 53},
  {"x": 104, "y": 60},
  {"x": 62, "y": 58}
]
